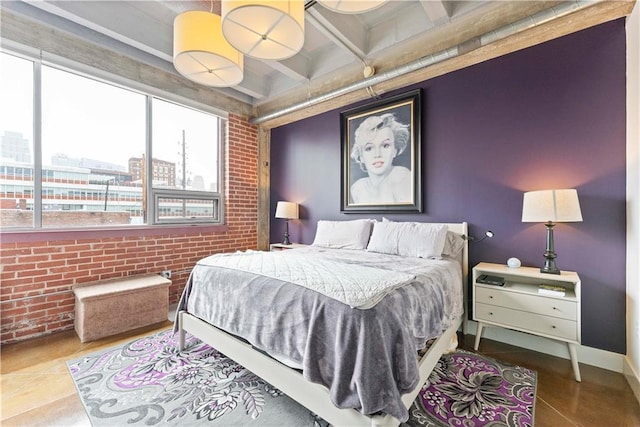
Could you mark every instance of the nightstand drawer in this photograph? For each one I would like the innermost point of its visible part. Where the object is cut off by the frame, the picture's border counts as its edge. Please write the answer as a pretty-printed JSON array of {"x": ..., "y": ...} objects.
[
  {"x": 556, "y": 307},
  {"x": 555, "y": 327}
]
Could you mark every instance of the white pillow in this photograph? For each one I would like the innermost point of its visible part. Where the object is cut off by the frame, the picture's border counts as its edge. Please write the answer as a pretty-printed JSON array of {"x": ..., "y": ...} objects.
[
  {"x": 412, "y": 239},
  {"x": 343, "y": 234},
  {"x": 384, "y": 238}
]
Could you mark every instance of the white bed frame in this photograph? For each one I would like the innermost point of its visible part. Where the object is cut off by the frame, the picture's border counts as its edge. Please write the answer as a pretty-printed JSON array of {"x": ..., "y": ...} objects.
[{"x": 315, "y": 397}]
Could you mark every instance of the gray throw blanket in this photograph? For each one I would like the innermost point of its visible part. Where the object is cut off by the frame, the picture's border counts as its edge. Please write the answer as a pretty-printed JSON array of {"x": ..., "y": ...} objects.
[{"x": 367, "y": 358}]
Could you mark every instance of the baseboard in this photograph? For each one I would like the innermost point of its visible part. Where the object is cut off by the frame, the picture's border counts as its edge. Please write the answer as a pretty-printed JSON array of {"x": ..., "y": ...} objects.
[
  {"x": 632, "y": 378},
  {"x": 587, "y": 355}
]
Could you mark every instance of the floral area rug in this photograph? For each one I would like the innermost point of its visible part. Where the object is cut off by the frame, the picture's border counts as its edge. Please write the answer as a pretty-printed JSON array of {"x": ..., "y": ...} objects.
[
  {"x": 471, "y": 390},
  {"x": 149, "y": 382}
]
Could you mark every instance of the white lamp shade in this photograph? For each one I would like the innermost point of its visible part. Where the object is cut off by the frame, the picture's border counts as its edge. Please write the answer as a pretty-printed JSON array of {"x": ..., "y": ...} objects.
[
  {"x": 268, "y": 29},
  {"x": 287, "y": 210},
  {"x": 352, "y": 6},
  {"x": 200, "y": 52},
  {"x": 551, "y": 205}
]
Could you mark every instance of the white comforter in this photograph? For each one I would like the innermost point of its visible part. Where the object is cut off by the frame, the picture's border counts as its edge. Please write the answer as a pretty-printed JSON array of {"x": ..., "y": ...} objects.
[{"x": 355, "y": 285}]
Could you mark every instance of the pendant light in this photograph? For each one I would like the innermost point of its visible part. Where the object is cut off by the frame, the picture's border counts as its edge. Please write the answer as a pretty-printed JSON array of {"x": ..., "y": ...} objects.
[
  {"x": 200, "y": 52},
  {"x": 351, "y": 6},
  {"x": 269, "y": 29}
]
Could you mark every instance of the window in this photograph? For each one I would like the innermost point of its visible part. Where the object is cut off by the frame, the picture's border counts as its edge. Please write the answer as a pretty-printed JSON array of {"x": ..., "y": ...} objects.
[
  {"x": 185, "y": 163},
  {"x": 96, "y": 164},
  {"x": 90, "y": 130},
  {"x": 16, "y": 139}
]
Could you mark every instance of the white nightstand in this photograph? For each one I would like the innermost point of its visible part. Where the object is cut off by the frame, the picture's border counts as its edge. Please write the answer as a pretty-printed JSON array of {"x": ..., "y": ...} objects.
[
  {"x": 282, "y": 247},
  {"x": 520, "y": 306}
]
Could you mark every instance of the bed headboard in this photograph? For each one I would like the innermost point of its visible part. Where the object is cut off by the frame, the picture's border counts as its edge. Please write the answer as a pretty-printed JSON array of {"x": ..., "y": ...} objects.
[{"x": 462, "y": 228}]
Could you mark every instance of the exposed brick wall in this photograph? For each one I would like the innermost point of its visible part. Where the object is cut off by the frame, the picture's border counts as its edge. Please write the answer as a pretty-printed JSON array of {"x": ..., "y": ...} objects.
[{"x": 37, "y": 276}]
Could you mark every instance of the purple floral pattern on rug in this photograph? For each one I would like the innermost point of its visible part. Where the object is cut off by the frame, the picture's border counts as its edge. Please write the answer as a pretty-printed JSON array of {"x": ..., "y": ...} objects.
[
  {"x": 471, "y": 390},
  {"x": 150, "y": 382}
]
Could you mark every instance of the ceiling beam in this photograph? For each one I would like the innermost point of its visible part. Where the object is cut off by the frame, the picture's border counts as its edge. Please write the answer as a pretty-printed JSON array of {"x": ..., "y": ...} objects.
[
  {"x": 297, "y": 67},
  {"x": 345, "y": 35},
  {"x": 436, "y": 11},
  {"x": 595, "y": 14},
  {"x": 252, "y": 85}
]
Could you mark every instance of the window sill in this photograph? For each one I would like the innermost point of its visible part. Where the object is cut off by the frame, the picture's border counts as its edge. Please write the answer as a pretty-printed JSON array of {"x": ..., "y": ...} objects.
[{"x": 49, "y": 234}]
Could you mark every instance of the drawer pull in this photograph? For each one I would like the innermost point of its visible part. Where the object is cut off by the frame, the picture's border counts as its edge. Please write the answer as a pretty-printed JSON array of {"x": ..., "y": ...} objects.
[
  {"x": 553, "y": 326},
  {"x": 490, "y": 296},
  {"x": 490, "y": 313}
]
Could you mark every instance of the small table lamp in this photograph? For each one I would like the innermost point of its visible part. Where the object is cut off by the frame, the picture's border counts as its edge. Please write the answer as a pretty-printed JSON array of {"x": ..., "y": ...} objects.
[
  {"x": 286, "y": 210},
  {"x": 551, "y": 206}
]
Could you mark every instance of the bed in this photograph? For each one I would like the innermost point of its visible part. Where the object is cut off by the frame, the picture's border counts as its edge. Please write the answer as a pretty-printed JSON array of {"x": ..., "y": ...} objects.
[{"x": 337, "y": 325}]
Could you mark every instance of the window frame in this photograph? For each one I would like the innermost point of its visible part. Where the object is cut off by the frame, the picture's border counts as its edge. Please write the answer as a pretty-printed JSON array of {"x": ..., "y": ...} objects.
[
  {"x": 151, "y": 219},
  {"x": 186, "y": 195}
]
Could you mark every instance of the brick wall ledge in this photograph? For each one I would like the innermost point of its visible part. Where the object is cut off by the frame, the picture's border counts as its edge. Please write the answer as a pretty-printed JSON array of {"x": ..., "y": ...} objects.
[{"x": 51, "y": 235}]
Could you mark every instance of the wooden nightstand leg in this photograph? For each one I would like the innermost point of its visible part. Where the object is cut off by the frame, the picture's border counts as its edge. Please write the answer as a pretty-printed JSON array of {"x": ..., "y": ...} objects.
[
  {"x": 574, "y": 361},
  {"x": 478, "y": 336}
]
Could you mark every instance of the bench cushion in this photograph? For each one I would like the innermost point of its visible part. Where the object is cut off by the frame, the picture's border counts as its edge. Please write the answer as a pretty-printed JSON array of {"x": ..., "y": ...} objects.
[{"x": 118, "y": 305}]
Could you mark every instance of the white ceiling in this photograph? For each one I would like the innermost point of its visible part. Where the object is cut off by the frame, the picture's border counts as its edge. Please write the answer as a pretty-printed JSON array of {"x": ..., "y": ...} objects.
[{"x": 337, "y": 46}]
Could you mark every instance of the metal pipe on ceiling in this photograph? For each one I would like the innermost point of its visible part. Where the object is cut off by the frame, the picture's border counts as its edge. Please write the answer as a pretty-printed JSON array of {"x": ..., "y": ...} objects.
[{"x": 426, "y": 61}]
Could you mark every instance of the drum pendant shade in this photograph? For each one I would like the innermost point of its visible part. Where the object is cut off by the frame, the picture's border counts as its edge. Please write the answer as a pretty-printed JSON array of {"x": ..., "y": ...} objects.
[
  {"x": 200, "y": 52},
  {"x": 351, "y": 6},
  {"x": 272, "y": 30}
]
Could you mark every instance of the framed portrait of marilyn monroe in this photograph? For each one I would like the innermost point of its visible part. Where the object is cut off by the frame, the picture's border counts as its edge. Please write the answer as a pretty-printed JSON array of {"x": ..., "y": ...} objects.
[{"x": 381, "y": 156}]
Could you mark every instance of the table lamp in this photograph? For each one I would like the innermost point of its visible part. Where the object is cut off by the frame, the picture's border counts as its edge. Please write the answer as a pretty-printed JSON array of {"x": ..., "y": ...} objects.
[
  {"x": 551, "y": 206},
  {"x": 286, "y": 210}
]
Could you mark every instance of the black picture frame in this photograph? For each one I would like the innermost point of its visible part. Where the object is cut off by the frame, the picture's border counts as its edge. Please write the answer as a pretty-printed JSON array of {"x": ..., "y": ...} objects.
[{"x": 386, "y": 185}]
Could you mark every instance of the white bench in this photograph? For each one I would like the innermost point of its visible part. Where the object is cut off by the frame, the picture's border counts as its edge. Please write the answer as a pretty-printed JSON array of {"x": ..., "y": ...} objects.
[{"x": 110, "y": 307}]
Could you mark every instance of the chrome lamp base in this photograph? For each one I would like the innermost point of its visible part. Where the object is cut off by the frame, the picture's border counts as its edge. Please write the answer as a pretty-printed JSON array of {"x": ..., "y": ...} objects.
[
  {"x": 285, "y": 239},
  {"x": 549, "y": 266}
]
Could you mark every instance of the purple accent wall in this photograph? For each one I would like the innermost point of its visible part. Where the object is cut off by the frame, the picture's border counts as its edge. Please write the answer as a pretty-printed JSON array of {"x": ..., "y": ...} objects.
[{"x": 550, "y": 116}]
